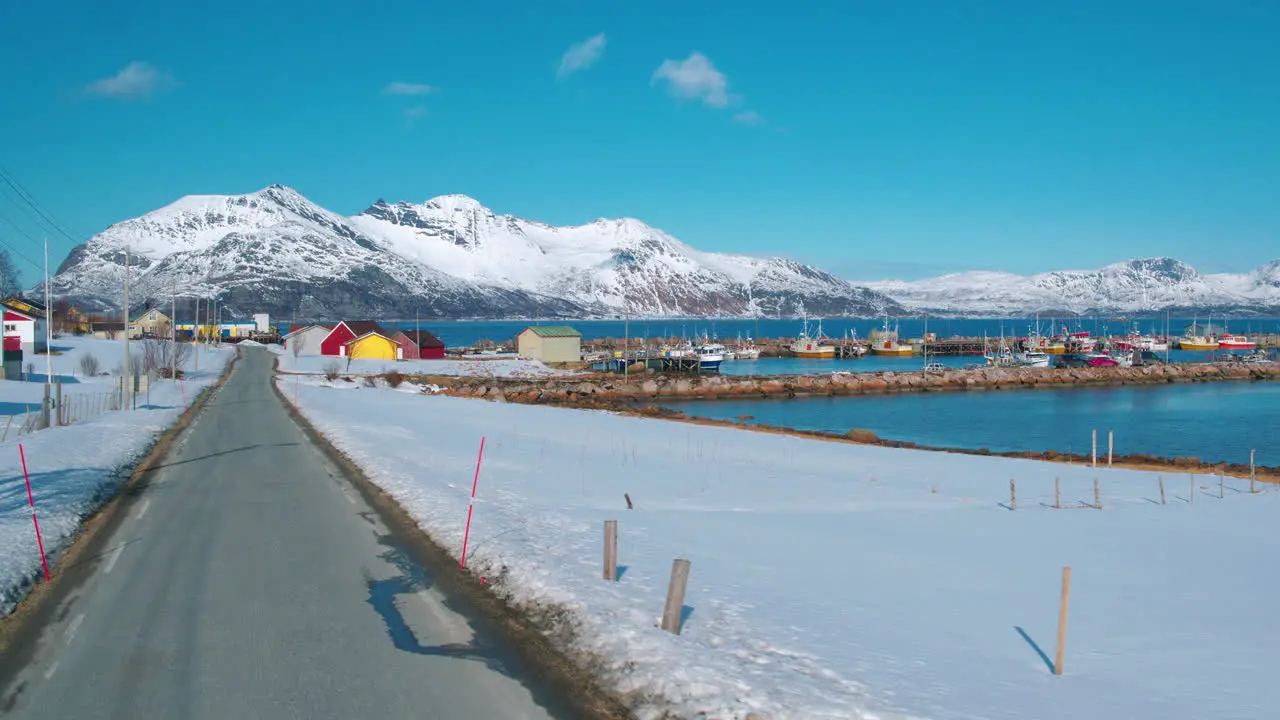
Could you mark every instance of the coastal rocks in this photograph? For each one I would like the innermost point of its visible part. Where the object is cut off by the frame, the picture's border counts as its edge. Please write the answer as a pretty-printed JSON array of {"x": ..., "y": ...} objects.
[
  {"x": 862, "y": 435},
  {"x": 601, "y": 390}
]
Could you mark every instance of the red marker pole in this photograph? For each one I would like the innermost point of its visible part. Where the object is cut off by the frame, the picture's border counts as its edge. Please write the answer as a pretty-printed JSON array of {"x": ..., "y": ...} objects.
[
  {"x": 466, "y": 535},
  {"x": 31, "y": 499}
]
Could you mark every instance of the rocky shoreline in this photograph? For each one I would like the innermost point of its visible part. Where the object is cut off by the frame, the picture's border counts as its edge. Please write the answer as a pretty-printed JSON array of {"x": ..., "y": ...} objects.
[{"x": 604, "y": 390}]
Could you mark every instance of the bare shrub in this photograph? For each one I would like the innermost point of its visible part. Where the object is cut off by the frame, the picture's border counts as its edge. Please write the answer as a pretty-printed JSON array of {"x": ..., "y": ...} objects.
[
  {"x": 371, "y": 381},
  {"x": 162, "y": 356},
  {"x": 297, "y": 345},
  {"x": 89, "y": 366},
  {"x": 394, "y": 378},
  {"x": 332, "y": 370}
]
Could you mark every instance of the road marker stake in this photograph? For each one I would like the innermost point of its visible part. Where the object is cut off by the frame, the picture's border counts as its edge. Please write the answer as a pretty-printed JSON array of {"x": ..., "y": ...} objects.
[
  {"x": 31, "y": 499},
  {"x": 466, "y": 535}
]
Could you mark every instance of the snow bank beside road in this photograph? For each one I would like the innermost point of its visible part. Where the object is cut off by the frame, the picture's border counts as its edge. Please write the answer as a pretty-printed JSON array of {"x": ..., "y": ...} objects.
[
  {"x": 835, "y": 580},
  {"x": 74, "y": 469}
]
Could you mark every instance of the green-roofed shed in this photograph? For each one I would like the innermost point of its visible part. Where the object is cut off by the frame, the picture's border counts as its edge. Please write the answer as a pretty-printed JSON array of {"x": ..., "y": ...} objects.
[{"x": 550, "y": 343}]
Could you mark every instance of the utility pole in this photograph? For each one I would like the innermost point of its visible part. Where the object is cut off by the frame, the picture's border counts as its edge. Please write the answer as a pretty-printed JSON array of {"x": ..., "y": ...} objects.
[
  {"x": 126, "y": 386},
  {"x": 48, "y": 321},
  {"x": 626, "y": 345},
  {"x": 195, "y": 334},
  {"x": 173, "y": 330}
]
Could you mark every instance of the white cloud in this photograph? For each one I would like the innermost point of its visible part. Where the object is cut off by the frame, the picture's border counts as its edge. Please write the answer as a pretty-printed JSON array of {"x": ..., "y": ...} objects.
[
  {"x": 404, "y": 88},
  {"x": 695, "y": 78},
  {"x": 414, "y": 112},
  {"x": 748, "y": 117},
  {"x": 581, "y": 56},
  {"x": 137, "y": 80}
]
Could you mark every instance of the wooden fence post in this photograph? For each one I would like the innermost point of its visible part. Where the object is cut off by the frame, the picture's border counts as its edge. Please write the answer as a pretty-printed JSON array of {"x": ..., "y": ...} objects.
[
  {"x": 1097, "y": 497},
  {"x": 61, "y": 415},
  {"x": 1094, "y": 456},
  {"x": 1013, "y": 494},
  {"x": 1253, "y": 473},
  {"x": 1191, "y": 496},
  {"x": 1162, "y": 490},
  {"x": 1062, "y": 621},
  {"x": 1057, "y": 493},
  {"x": 1221, "y": 483},
  {"x": 673, "y": 613},
  {"x": 611, "y": 550},
  {"x": 1111, "y": 445}
]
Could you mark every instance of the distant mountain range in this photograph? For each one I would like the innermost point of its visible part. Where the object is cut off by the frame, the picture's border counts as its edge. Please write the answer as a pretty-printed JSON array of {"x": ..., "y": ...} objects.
[
  {"x": 278, "y": 252},
  {"x": 1151, "y": 285},
  {"x": 450, "y": 257}
]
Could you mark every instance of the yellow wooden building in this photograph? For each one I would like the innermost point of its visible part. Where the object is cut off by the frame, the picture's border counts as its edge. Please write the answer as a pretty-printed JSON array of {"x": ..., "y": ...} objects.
[{"x": 373, "y": 346}]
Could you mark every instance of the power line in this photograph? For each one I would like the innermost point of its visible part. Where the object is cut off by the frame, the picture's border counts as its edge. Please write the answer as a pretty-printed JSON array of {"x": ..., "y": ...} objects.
[
  {"x": 16, "y": 251},
  {"x": 30, "y": 201}
]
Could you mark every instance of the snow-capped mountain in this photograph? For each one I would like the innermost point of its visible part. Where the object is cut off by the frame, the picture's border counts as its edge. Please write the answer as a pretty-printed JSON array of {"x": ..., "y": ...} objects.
[
  {"x": 1134, "y": 286},
  {"x": 276, "y": 251}
]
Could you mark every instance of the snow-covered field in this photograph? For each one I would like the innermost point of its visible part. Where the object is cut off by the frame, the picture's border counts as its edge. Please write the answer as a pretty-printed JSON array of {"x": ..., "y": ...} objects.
[
  {"x": 501, "y": 367},
  {"x": 835, "y": 580},
  {"x": 75, "y": 468}
]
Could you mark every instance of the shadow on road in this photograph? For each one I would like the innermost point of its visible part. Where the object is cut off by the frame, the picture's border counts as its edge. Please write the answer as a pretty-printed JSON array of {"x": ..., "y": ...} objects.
[
  {"x": 383, "y": 596},
  {"x": 246, "y": 448}
]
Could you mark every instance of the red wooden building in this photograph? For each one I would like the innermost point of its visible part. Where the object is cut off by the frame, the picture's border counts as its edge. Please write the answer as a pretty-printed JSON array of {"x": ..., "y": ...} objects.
[
  {"x": 335, "y": 343},
  {"x": 419, "y": 345}
]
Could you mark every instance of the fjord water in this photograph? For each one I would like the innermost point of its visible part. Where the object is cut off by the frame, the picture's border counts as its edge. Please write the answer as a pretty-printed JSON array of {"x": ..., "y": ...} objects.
[{"x": 1216, "y": 422}]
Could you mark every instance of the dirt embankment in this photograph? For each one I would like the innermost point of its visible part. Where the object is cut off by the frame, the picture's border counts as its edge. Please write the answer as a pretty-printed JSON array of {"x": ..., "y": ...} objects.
[{"x": 607, "y": 389}]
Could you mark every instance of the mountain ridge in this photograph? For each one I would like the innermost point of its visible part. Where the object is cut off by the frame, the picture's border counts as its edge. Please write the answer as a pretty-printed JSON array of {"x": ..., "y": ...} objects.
[{"x": 450, "y": 257}]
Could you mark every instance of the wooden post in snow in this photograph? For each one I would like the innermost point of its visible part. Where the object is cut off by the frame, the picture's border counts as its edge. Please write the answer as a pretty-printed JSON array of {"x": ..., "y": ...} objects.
[
  {"x": 1013, "y": 494},
  {"x": 1221, "y": 485},
  {"x": 1097, "y": 497},
  {"x": 1253, "y": 473},
  {"x": 611, "y": 550},
  {"x": 674, "y": 610},
  {"x": 1111, "y": 445},
  {"x": 1062, "y": 621},
  {"x": 1191, "y": 496},
  {"x": 1162, "y": 490},
  {"x": 1094, "y": 456},
  {"x": 1057, "y": 493}
]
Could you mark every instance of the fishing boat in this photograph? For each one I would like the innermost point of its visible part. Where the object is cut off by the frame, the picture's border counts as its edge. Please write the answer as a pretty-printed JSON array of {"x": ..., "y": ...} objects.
[
  {"x": 885, "y": 342},
  {"x": 1197, "y": 342},
  {"x": 1235, "y": 342},
  {"x": 710, "y": 355},
  {"x": 811, "y": 347},
  {"x": 1032, "y": 359},
  {"x": 749, "y": 351}
]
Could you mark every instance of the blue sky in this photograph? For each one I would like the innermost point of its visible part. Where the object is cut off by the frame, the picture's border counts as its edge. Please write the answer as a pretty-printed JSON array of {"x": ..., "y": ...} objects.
[{"x": 875, "y": 139}]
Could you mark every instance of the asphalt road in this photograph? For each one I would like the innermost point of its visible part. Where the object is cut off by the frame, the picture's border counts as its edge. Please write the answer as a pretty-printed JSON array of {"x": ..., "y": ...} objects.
[{"x": 251, "y": 580}]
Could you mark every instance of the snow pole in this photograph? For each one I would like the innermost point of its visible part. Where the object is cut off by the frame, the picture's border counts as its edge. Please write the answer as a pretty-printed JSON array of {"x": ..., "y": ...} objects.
[
  {"x": 32, "y": 501},
  {"x": 466, "y": 534}
]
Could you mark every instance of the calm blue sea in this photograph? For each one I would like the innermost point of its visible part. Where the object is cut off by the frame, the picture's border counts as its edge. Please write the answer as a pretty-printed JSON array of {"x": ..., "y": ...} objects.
[
  {"x": 465, "y": 333},
  {"x": 1218, "y": 422}
]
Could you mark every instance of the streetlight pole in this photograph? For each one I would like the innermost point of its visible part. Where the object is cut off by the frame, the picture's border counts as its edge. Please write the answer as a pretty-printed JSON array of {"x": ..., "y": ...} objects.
[{"x": 126, "y": 386}]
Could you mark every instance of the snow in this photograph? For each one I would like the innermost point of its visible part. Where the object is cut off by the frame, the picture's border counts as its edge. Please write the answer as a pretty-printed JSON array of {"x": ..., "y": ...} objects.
[
  {"x": 513, "y": 367},
  {"x": 1130, "y": 286},
  {"x": 76, "y": 468},
  {"x": 832, "y": 580}
]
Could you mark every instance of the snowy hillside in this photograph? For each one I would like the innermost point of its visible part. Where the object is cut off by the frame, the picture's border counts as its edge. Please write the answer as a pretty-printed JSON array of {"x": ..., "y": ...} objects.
[
  {"x": 276, "y": 251},
  {"x": 1153, "y": 284},
  {"x": 614, "y": 265}
]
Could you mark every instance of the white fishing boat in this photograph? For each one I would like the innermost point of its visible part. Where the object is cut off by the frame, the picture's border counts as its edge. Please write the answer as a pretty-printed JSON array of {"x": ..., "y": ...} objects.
[
  {"x": 811, "y": 347},
  {"x": 710, "y": 355},
  {"x": 1032, "y": 359}
]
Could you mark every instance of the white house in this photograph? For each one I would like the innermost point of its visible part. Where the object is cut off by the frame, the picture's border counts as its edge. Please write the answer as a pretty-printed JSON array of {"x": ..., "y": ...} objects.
[
  {"x": 262, "y": 322},
  {"x": 306, "y": 339},
  {"x": 24, "y": 327}
]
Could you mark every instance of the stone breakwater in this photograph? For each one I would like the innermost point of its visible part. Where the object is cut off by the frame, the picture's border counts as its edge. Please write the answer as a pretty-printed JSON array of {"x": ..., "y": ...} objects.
[{"x": 608, "y": 390}]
